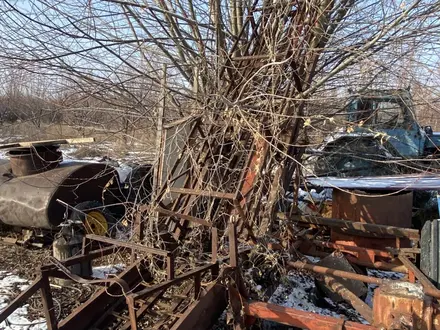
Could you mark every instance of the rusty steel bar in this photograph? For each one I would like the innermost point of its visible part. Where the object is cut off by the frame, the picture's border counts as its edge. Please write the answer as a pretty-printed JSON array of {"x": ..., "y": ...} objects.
[
  {"x": 366, "y": 279},
  {"x": 170, "y": 267},
  {"x": 186, "y": 217},
  {"x": 131, "y": 312},
  {"x": 387, "y": 266},
  {"x": 300, "y": 319},
  {"x": 360, "y": 306},
  {"x": 197, "y": 192},
  {"x": 337, "y": 273},
  {"x": 80, "y": 258},
  {"x": 128, "y": 245},
  {"x": 202, "y": 314},
  {"x": 48, "y": 308},
  {"x": 179, "y": 279},
  {"x": 336, "y": 246},
  {"x": 233, "y": 248},
  {"x": 214, "y": 244},
  {"x": 427, "y": 284},
  {"x": 359, "y": 226}
]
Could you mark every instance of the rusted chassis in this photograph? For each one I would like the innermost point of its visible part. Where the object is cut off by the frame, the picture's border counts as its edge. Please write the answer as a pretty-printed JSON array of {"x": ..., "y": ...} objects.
[{"x": 30, "y": 201}]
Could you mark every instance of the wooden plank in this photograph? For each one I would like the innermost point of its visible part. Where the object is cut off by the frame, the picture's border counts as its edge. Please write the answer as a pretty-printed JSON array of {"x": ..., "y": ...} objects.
[
  {"x": 202, "y": 314},
  {"x": 28, "y": 144}
]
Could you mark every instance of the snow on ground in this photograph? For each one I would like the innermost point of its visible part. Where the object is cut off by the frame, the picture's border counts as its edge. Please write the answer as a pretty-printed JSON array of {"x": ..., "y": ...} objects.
[
  {"x": 298, "y": 290},
  {"x": 18, "y": 320},
  {"x": 103, "y": 272},
  {"x": 379, "y": 274}
]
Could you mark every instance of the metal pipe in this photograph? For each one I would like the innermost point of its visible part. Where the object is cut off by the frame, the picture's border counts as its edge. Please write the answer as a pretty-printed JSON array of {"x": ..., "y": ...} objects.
[
  {"x": 337, "y": 273},
  {"x": 300, "y": 319},
  {"x": 352, "y": 276},
  {"x": 336, "y": 246}
]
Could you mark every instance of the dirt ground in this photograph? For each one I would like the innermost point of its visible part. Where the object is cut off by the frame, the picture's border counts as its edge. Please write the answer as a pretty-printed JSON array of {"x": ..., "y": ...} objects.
[{"x": 25, "y": 263}]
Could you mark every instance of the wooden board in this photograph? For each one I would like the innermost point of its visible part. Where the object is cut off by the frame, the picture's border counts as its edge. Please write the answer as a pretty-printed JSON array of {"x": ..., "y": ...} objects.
[{"x": 46, "y": 143}]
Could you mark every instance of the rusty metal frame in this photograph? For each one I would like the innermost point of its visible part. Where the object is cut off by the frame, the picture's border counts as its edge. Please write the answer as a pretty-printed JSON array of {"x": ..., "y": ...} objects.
[{"x": 297, "y": 318}]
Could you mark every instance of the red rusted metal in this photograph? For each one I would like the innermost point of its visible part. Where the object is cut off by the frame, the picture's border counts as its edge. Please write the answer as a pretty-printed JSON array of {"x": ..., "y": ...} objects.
[
  {"x": 233, "y": 246},
  {"x": 366, "y": 279},
  {"x": 402, "y": 306},
  {"x": 300, "y": 319},
  {"x": 337, "y": 273},
  {"x": 364, "y": 254},
  {"x": 203, "y": 313},
  {"x": 393, "y": 210},
  {"x": 48, "y": 308},
  {"x": 368, "y": 242},
  {"x": 33, "y": 160},
  {"x": 414, "y": 273}
]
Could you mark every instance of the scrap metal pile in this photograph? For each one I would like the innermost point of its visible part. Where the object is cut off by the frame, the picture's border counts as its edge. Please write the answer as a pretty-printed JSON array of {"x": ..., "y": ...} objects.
[{"x": 219, "y": 202}]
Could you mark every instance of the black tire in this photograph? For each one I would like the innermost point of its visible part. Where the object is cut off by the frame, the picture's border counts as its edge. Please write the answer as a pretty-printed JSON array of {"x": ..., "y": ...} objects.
[{"x": 85, "y": 207}]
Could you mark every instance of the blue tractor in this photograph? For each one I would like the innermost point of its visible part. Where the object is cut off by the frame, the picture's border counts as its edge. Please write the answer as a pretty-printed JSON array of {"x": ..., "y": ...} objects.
[{"x": 382, "y": 137}]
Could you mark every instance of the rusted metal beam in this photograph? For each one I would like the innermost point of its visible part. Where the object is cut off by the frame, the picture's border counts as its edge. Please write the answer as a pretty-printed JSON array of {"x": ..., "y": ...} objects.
[
  {"x": 366, "y": 279},
  {"x": 300, "y": 319},
  {"x": 81, "y": 258},
  {"x": 337, "y": 273},
  {"x": 427, "y": 284},
  {"x": 183, "y": 216},
  {"x": 170, "y": 267},
  {"x": 82, "y": 317},
  {"x": 342, "y": 247},
  {"x": 167, "y": 284},
  {"x": 20, "y": 299},
  {"x": 387, "y": 266},
  {"x": 48, "y": 308},
  {"x": 360, "y": 306},
  {"x": 128, "y": 245},
  {"x": 233, "y": 246},
  {"x": 359, "y": 226},
  {"x": 216, "y": 194},
  {"x": 203, "y": 313},
  {"x": 214, "y": 244}
]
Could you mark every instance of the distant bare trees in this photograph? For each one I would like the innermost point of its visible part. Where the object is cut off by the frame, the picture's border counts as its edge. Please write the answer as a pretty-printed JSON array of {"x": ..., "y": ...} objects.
[{"x": 106, "y": 56}]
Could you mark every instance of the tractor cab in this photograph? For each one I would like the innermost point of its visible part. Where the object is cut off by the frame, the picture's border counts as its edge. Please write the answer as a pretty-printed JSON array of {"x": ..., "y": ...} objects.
[
  {"x": 388, "y": 114},
  {"x": 382, "y": 110}
]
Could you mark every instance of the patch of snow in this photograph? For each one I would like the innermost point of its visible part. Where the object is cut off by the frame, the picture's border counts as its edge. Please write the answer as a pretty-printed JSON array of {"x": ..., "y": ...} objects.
[
  {"x": 103, "y": 272},
  {"x": 298, "y": 291},
  {"x": 19, "y": 319},
  {"x": 379, "y": 274},
  {"x": 313, "y": 259}
]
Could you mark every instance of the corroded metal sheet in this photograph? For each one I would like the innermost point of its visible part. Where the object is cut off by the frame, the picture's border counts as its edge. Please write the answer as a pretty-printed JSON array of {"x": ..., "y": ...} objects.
[{"x": 30, "y": 201}]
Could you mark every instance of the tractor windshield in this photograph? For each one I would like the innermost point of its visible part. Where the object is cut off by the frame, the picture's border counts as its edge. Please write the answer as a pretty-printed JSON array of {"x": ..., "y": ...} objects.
[{"x": 380, "y": 113}]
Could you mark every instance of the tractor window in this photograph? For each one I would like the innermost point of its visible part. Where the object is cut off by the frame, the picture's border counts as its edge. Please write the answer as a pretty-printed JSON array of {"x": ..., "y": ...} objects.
[
  {"x": 378, "y": 113},
  {"x": 389, "y": 114}
]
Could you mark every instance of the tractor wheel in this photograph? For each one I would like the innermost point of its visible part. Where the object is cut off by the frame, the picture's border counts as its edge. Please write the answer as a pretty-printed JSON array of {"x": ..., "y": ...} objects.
[{"x": 95, "y": 218}]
